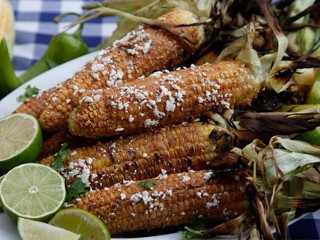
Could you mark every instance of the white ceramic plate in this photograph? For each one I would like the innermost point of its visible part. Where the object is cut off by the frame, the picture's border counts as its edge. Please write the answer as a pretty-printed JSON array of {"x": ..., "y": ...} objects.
[{"x": 44, "y": 81}]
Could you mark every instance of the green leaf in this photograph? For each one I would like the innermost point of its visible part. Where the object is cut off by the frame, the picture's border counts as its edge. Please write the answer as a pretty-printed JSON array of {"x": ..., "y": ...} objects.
[
  {"x": 147, "y": 184},
  {"x": 29, "y": 92},
  {"x": 197, "y": 228},
  {"x": 76, "y": 189},
  {"x": 59, "y": 157},
  {"x": 77, "y": 109},
  {"x": 190, "y": 233}
]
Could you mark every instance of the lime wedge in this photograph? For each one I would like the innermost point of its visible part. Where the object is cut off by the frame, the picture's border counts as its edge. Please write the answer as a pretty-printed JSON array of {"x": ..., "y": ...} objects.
[
  {"x": 35, "y": 230},
  {"x": 81, "y": 222},
  {"x": 32, "y": 191},
  {"x": 20, "y": 140}
]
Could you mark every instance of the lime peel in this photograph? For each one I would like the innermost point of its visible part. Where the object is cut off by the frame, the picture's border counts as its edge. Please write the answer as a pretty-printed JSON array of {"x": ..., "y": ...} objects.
[
  {"x": 35, "y": 230},
  {"x": 312, "y": 136},
  {"x": 20, "y": 140},
  {"x": 81, "y": 222}
]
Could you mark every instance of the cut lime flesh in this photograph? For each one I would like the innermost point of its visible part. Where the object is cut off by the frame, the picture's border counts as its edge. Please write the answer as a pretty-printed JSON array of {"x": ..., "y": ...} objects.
[
  {"x": 35, "y": 230},
  {"x": 20, "y": 140},
  {"x": 81, "y": 222},
  {"x": 32, "y": 191}
]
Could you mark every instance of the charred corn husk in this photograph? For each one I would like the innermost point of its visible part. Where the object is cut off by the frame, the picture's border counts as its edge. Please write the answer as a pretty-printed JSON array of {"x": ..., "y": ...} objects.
[
  {"x": 164, "y": 99},
  {"x": 140, "y": 52},
  {"x": 174, "y": 149},
  {"x": 173, "y": 200},
  {"x": 7, "y": 29}
]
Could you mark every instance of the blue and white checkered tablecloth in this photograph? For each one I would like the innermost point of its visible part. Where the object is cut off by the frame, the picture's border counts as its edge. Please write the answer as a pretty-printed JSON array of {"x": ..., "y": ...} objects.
[{"x": 34, "y": 29}]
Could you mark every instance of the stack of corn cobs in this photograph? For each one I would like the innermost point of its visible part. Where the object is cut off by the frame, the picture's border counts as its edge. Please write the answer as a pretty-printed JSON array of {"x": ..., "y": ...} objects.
[{"x": 179, "y": 119}]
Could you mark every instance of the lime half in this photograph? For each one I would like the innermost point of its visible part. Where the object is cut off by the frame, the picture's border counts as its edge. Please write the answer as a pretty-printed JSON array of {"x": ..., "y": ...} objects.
[
  {"x": 34, "y": 230},
  {"x": 81, "y": 222},
  {"x": 33, "y": 191},
  {"x": 20, "y": 140}
]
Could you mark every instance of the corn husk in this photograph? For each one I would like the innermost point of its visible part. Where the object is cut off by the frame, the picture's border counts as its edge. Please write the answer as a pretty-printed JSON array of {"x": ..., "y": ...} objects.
[
  {"x": 284, "y": 170},
  {"x": 131, "y": 14}
]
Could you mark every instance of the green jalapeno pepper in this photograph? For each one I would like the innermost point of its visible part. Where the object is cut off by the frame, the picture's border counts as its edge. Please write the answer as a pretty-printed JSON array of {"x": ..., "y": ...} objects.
[
  {"x": 62, "y": 48},
  {"x": 8, "y": 79}
]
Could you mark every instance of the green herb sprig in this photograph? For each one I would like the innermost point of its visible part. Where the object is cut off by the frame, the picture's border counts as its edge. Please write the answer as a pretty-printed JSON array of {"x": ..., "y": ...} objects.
[
  {"x": 59, "y": 157},
  {"x": 76, "y": 189},
  {"x": 29, "y": 92},
  {"x": 147, "y": 184}
]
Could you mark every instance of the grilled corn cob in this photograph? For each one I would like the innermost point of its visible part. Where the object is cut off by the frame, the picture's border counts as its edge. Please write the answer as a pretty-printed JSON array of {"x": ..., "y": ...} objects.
[
  {"x": 7, "y": 23},
  {"x": 173, "y": 200},
  {"x": 141, "y": 52},
  {"x": 164, "y": 99},
  {"x": 35, "y": 105},
  {"x": 53, "y": 144},
  {"x": 174, "y": 149}
]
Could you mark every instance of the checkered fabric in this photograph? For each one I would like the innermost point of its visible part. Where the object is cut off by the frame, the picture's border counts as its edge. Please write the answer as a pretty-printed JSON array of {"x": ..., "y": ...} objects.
[
  {"x": 308, "y": 227},
  {"x": 34, "y": 29}
]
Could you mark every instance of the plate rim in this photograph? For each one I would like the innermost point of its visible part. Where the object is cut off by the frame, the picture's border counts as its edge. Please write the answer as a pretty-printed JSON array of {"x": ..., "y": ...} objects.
[{"x": 70, "y": 68}]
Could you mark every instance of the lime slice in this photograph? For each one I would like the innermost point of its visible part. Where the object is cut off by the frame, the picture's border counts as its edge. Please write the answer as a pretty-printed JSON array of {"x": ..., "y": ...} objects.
[
  {"x": 35, "y": 230},
  {"x": 33, "y": 191},
  {"x": 20, "y": 140},
  {"x": 81, "y": 222},
  {"x": 312, "y": 137}
]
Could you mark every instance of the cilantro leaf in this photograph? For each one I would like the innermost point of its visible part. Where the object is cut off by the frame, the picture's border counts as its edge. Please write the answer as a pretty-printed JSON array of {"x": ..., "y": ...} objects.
[
  {"x": 196, "y": 229},
  {"x": 59, "y": 157},
  {"x": 29, "y": 92},
  {"x": 77, "y": 109},
  {"x": 147, "y": 184},
  {"x": 76, "y": 189}
]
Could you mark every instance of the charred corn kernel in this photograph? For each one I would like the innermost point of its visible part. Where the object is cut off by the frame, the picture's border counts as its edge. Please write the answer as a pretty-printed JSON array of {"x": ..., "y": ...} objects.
[
  {"x": 7, "y": 29},
  {"x": 164, "y": 99},
  {"x": 141, "y": 52},
  {"x": 173, "y": 149},
  {"x": 34, "y": 105},
  {"x": 173, "y": 200},
  {"x": 53, "y": 144}
]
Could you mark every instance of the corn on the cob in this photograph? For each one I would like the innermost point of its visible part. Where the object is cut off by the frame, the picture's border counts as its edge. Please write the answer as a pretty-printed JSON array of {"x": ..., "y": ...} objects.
[
  {"x": 174, "y": 149},
  {"x": 141, "y": 52},
  {"x": 53, "y": 144},
  {"x": 172, "y": 200},
  {"x": 34, "y": 105},
  {"x": 7, "y": 29},
  {"x": 164, "y": 99}
]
